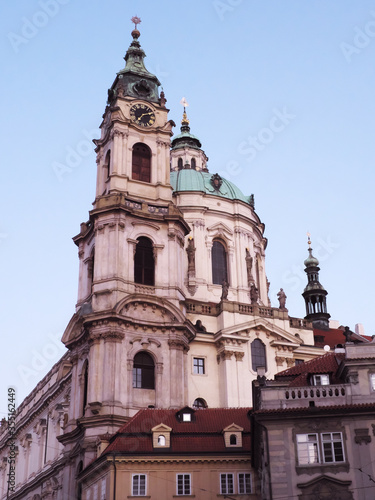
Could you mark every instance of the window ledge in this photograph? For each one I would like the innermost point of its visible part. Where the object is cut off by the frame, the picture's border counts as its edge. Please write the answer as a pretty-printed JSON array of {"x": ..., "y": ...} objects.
[
  {"x": 333, "y": 468},
  {"x": 138, "y": 496},
  {"x": 186, "y": 496}
]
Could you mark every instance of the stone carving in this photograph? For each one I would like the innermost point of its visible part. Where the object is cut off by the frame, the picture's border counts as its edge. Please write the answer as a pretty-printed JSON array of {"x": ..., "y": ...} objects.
[
  {"x": 224, "y": 290},
  {"x": 348, "y": 334},
  {"x": 216, "y": 181},
  {"x": 282, "y": 299},
  {"x": 200, "y": 327},
  {"x": 362, "y": 436},
  {"x": 190, "y": 250},
  {"x": 254, "y": 294},
  {"x": 249, "y": 267}
]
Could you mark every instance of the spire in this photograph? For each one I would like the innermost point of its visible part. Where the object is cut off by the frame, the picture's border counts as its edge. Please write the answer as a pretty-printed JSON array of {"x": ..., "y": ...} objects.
[
  {"x": 314, "y": 293},
  {"x": 135, "y": 80},
  {"x": 185, "y": 138}
]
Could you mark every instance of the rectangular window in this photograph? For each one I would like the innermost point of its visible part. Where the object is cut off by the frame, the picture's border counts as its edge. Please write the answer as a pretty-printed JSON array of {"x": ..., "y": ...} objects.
[
  {"x": 226, "y": 484},
  {"x": 307, "y": 449},
  {"x": 333, "y": 450},
  {"x": 183, "y": 484},
  {"x": 198, "y": 367},
  {"x": 139, "y": 485},
  {"x": 244, "y": 483},
  {"x": 137, "y": 377},
  {"x": 321, "y": 379},
  {"x": 299, "y": 362},
  {"x": 372, "y": 379}
]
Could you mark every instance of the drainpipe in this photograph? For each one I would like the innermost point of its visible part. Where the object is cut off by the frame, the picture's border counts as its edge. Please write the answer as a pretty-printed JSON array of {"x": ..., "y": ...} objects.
[{"x": 114, "y": 476}]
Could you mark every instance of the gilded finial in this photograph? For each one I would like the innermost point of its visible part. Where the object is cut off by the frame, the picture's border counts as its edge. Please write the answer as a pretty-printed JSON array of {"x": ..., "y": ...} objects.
[
  {"x": 309, "y": 240},
  {"x": 185, "y": 104}
]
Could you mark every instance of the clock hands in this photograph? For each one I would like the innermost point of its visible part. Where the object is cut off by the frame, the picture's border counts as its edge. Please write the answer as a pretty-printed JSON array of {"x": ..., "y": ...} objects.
[{"x": 144, "y": 114}]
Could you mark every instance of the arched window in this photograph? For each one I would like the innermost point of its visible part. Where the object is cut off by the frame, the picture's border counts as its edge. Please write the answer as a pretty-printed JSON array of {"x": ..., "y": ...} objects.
[
  {"x": 233, "y": 439},
  {"x": 180, "y": 164},
  {"x": 193, "y": 164},
  {"x": 258, "y": 355},
  {"x": 219, "y": 263},
  {"x": 144, "y": 265},
  {"x": 141, "y": 162},
  {"x": 143, "y": 371},
  {"x": 90, "y": 270},
  {"x": 161, "y": 440},
  {"x": 85, "y": 374},
  {"x": 200, "y": 403},
  {"x": 107, "y": 165}
]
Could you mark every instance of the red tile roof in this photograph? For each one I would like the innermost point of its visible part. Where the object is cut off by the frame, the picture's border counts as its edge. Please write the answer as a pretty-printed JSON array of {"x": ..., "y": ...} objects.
[
  {"x": 335, "y": 336},
  {"x": 204, "y": 434},
  {"x": 326, "y": 364}
]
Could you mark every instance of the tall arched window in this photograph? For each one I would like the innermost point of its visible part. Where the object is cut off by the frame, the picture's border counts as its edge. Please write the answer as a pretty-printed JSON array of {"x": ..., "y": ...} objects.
[
  {"x": 258, "y": 355},
  {"x": 141, "y": 162},
  {"x": 144, "y": 264},
  {"x": 107, "y": 165},
  {"x": 143, "y": 371},
  {"x": 85, "y": 384},
  {"x": 179, "y": 164},
  {"x": 219, "y": 263},
  {"x": 90, "y": 270},
  {"x": 193, "y": 164}
]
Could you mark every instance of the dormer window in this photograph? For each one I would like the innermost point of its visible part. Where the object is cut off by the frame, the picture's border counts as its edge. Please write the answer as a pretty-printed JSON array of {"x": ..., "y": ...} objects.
[
  {"x": 322, "y": 379},
  {"x": 186, "y": 414},
  {"x": 161, "y": 436},
  {"x": 233, "y": 436}
]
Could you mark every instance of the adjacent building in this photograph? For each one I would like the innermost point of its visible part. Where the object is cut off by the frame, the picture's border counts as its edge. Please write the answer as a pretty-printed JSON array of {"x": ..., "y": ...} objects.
[{"x": 314, "y": 428}]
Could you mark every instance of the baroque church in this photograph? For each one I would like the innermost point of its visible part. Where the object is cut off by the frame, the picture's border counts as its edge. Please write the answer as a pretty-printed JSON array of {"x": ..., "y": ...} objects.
[{"x": 173, "y": 309}]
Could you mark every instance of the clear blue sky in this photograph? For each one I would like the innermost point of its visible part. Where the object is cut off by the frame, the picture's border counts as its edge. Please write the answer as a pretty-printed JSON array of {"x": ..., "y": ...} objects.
[{"x": 239, "y": 64}]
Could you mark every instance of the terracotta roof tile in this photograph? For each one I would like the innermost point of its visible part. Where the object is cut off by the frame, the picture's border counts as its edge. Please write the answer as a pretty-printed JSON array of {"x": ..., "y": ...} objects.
[
  {"x": 202, "y": 435},
  {"x": 335, "y": 336}
]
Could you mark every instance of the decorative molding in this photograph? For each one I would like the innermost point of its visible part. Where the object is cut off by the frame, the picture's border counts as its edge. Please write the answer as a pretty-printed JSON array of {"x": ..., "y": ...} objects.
[{"x": 362, "y": 436}]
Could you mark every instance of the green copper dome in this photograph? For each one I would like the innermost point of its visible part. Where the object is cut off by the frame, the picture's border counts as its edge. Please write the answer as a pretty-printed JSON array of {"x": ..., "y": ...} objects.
[{"x": 193, "y": 180}]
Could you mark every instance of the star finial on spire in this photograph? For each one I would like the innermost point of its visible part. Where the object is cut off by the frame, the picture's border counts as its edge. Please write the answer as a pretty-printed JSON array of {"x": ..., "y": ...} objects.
[{"x": 136, "y": 20}]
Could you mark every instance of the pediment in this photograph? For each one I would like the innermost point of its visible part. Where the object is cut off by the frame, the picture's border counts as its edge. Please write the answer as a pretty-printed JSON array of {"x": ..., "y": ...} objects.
[
  {"x": 147, "y": 312},
  {"x": 233, "y": 428},
  {"x": 326, "y": 488},
  {"x": 279, "y": 336},
  {"x": 161, "y": 428},
  {"x": 220, "y": 229}
]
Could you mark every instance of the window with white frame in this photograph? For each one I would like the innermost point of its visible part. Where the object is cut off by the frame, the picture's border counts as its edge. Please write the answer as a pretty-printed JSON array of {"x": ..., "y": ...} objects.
[
  {"x": 244, "y": 483},
  {"x": 198, "y": 366},
  {"x": 226, "y": 484},
  {"x": 183, "y": 484},
  {"x": 372, "y": 381},
  {"x": 139, "y": 485},
  {"x": 326, "y": 447},
  {"x": 321, "y": 379}
]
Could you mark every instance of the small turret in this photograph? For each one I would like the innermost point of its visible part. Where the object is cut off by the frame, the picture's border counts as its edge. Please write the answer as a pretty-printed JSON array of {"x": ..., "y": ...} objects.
[
  {"x": 315, "y": 294},
  {"x": 186, "y": 152}
]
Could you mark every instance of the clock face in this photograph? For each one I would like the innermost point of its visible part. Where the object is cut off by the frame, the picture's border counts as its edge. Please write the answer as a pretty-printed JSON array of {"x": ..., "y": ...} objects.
[{"x": 142, "y": 115}]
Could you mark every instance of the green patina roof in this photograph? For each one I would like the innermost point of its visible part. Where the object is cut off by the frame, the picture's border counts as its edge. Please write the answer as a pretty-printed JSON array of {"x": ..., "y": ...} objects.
[{"x": 194, "y": 180}]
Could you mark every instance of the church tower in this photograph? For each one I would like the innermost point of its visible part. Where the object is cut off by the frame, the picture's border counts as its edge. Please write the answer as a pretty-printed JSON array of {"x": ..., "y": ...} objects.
[
  {"x": 129, "y": 337},
  {"x": 315, "y": 294}
]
